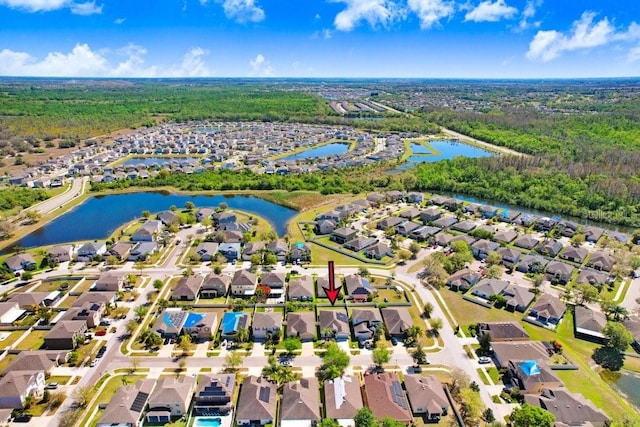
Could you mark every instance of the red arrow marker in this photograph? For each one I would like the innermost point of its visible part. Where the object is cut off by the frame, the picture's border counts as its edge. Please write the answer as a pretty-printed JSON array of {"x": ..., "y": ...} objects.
[{"x": 332, "y": 292}]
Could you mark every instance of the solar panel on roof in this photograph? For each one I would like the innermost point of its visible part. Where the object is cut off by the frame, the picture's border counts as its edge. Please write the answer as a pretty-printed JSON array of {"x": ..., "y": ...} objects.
[
  {"x": 264, "y": 394},
  {"x": 139, "y": 401},
  {"x": 397, "y": 395}
]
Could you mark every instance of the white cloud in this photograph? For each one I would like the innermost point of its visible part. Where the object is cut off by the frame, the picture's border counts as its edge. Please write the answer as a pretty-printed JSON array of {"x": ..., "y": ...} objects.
[
  {"x": 430, "y": 12},
  {"x": 119, "y": 21},
  {"x": 584, "y": 34},
  {"x": 634, "y": 54},
  {"x": 488, "y": 11},
  {"x": 261, "y": 67},
  {"x": 82, "y": 61},
  {"x": 375, "y": 12},
  {"x": 243, "y": 10},
  {"x": 528, "y": 13},
  {"x": 87, "y": 8}
]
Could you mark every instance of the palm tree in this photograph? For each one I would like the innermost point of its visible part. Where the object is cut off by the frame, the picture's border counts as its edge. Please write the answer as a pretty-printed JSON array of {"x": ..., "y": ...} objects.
[
  {"x": 242, "y": 335},
  {"x": 412, "y": 334},
  {"x": 619, "y": 313}
]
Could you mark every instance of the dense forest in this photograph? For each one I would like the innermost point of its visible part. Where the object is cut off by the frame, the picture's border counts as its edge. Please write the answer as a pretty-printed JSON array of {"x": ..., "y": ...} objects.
[{"x": 21, "y": 197}]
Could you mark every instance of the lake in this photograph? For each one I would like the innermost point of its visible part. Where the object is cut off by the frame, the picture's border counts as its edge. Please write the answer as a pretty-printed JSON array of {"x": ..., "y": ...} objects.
[
  {"x": 99, "y": 216},
  {"x": 445, "y": 149},
  {"x": 146, "y": 161},
  {"x": 629, "y": 384},
  {"x": 326, "y": 150}
]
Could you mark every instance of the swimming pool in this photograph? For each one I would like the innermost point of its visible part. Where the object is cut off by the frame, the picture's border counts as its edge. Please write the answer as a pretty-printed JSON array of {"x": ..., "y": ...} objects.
[{"x": 207, "y": 422}]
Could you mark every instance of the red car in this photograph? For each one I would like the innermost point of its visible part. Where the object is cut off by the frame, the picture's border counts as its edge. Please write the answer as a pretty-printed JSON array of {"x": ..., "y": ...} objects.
[{"x": 101, "y": 333}]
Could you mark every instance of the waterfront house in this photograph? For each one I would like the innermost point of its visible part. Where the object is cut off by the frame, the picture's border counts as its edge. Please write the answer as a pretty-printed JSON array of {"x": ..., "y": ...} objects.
[
  {"x": 568, "y": 409},
  {"x": 20, "y": 262}
]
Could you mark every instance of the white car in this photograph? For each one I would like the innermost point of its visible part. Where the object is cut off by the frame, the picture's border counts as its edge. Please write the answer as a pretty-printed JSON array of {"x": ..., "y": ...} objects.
[
  {"x": 93, "y": 363},
  {"x": 484, "y": 360}
]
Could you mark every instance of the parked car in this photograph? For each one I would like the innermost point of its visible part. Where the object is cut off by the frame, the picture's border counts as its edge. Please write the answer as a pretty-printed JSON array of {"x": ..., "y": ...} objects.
[
  {"x": 22, "y": 418},
  {"x": 93, "y": 363},
  {"x": 394, "y": 341},
  {"x": 101, "y": 333},
  {"x": 51, "y": 386},
  {"x": 484, "y": 360}
]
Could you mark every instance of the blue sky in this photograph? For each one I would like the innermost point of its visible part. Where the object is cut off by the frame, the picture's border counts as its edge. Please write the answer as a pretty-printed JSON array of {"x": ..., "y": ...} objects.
[{"x": 320, "y": 38}]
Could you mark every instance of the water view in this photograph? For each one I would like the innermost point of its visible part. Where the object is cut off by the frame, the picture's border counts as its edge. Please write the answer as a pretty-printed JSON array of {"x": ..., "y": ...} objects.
[
  {"x": 629, "y": 384},
  {"x": 443, "y": 150},
  {"x": 323, "y": 151},
  {"x": 146, "y": 161},
  {"x": 99, "y": 216}
]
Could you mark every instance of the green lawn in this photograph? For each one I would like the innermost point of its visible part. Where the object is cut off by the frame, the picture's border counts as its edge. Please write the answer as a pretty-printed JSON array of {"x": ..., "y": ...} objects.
[
  {"x": 33, "y": 341},
  {"x": 10, "y": 339},
  {"x": 54, "y": 285}
]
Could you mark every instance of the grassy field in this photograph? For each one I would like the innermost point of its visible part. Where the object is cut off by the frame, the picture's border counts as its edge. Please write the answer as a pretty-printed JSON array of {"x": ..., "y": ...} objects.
[{"x": 33, "y": 341}]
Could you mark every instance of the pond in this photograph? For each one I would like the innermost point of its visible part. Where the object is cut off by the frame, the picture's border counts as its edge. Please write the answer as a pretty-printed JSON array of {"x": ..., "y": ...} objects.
[
  {"x": 99, "y": 216},
  {"x": 442, "y": 150},
  {"x": 629, "y": 384},
  {"x": 331, "y": 149},
  {"x": 146, "y": 161}
]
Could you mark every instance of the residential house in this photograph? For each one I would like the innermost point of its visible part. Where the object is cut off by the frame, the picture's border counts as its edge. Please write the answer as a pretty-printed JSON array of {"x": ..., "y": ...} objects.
[
  {"x": 508, "y": 215},
  {"x": 204, "y": 213},
  {"x": 126, "y": 407},
  {"x": 601, "y": 260},
  {"x": 232, "y": 237},
  {"x": 568, "y": 409},
  {"x": 215, "y": 285},
  {"x": 342, "y": 399},
  {"x": 358, "y": 288},
  {"x": 559, "y": 272},
  {"x": 445, "y": 222},
  {"x": 90, "y": 312},
  {"x": 109, "y": 282},
  {"x": 532, "y": 263},
  {"x": 170, "y": 322},
  {"x": 532, "y": 376},
  {"x": 61, "y": 253},
  {"x": 464, "y": 226},
  {"x": 487, "y": 211},
  {"x": 378, "y": 251},
  {"x": 120, "y": 250},
  {"x": 443, "y": 239},
  {"x": 243, "y": 283},
  {"x": 592, "y": 234},
  {"x": 36, "y": 360},
  {"x": 104, "y": 298},
  {"x": 200, "y": 326},
  {"x": 518, "y": 297},
  {"x": 301, "y": 289},
  {"x": 266, "y": 325},
  {"x": 550, "y": 248},
  {"x": 574, "y": 254},
  {"x": 214, "y": 394},
  {"x": 232, "y": 322},
  {"x": 334, "y": 324},
  {"x": 482, "y": 248},
  {"x": 396, "y": 321},
  {"x": 142, "y": 250},
  {"x": 503, "y": 331},
  {"x": 322, "y": 282},
  {"x": 430, "y": 214},
  {"x": 170, "y": 398},
  {"x": 366, "y": 322},
  {"x": 168, "y": 217},
  {"x": 224, "y": 217},
  {"x": 206, "y": 251},
  {"x": 65, "y": 334},
  {"x": 592, "y": 277},
  {"x": 470, "y": 208},
  {"x": 463, "y": 280},
  {"x": 16, "y": 386},
  {"x": 510, "y": 257},
  {"x": 275, "y": 282},
  {"x": 147, "y": 232},
  {"x": 548, "y": 309},
  {"x": 334, "y": 216},
  {"x": 376, "y": 198},
  {"x": 300, "y": 403},
  {"x": 526, "y": 241},
  {"x": 187, "y": 288},
  {"x": 302, "y": 325},
  {"x": 251, "y": 249},
  {"x": 394, "y": 196},
  {"x": 568, "y": 228},
  {"x": 633, "y": 326},
  {"x": 544, "y": 223},
  {"x": 505, "y": 237},
  {"x": 30, "y": 300},
  {"x": 360, "y": 243},
  {"x": 10, "y": 312},
  {"x": 504, "y": 351},
  {"x": 383, "y": 394},
  {"x": 90, "y": 251},
  {"x": 229, "y": 250},
  {"x": 20, "y": 262},
  {"x": 426, "y": 396},
  {"x": 343, "y": 235},
  {"x": 588, "y": 324},
  {"x": 487, "y": 287},
  {"x": 300, "y": 252},
  {"x": 257, "y": 402},
  {"x": 423, "y": 233},
  {"x": 324, "y": 226},
  {"x": 280, "y": 248}
]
